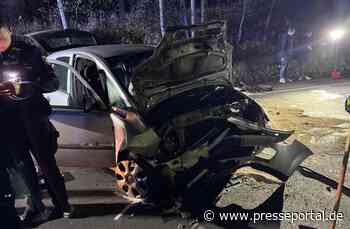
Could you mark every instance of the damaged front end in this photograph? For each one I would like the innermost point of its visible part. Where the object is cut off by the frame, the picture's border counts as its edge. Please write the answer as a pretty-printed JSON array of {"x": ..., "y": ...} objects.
[{"x": 198, "y": 127}]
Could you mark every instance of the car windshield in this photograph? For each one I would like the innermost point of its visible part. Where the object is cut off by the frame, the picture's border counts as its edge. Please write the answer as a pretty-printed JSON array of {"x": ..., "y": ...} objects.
[{"x": 122, "y": 67}]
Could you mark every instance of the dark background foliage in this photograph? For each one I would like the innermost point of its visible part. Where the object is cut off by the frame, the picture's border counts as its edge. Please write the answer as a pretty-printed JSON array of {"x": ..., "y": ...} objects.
[{"x": 137, "y": 21}]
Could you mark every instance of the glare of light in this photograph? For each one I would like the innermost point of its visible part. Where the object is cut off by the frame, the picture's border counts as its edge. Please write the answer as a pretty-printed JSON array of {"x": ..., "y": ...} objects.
[
  {"x": 11, "y": 76},
  {"x": 336, "y": 34}
]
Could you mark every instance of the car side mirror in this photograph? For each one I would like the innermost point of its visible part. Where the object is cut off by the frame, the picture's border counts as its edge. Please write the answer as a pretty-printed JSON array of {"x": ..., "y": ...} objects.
[{"x": 347, "y": 104}]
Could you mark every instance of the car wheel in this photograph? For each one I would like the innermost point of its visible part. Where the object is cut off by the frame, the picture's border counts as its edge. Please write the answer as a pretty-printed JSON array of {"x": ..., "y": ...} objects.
[{"x": 131, "y": 181}]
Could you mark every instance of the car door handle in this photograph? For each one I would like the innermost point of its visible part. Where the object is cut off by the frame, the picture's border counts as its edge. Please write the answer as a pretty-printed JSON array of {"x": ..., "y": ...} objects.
[{"x": 87, "y": 146}]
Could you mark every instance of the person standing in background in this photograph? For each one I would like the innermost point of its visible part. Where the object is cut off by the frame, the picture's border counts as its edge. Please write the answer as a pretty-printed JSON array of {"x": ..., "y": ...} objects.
[{"x": 286, "y": 41}]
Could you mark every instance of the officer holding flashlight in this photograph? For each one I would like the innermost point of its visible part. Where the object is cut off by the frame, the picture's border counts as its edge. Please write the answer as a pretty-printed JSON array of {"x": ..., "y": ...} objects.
[{"x": 17, "y": 57}]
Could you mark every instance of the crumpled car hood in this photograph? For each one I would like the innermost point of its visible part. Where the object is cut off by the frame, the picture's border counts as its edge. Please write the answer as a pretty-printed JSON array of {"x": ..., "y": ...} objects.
[{"x": 183, "y": 62}]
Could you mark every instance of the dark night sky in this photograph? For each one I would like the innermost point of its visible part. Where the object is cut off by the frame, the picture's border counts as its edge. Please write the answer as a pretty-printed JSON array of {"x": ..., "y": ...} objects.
[{"x": 309, "y": 14}]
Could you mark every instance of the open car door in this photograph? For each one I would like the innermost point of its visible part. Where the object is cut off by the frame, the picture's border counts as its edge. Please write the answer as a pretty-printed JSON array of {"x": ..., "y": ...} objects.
[{"x": 84, "y": 123}]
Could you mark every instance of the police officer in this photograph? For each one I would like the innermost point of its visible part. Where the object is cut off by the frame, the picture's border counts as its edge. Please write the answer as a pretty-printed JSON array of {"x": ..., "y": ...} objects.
[{"x": 34, "y": 114}]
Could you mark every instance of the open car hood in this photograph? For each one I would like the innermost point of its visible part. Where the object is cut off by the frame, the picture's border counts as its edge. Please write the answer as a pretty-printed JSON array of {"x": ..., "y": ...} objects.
[{"x": 183, "y": 62}]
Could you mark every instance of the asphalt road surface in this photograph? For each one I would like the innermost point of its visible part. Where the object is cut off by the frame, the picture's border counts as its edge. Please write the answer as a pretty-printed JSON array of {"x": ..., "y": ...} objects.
[{"x": 92, "y": 190}]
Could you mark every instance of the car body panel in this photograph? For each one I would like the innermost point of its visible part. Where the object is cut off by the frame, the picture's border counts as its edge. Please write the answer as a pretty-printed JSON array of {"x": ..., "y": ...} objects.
[{"x": 86, "y": 139}]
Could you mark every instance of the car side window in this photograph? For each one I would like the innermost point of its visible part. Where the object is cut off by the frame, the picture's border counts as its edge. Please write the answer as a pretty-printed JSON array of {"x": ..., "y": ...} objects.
[
  {"x": 62, "y": 74},
  {"x": 99, "y": 81},
  {"x": 82, "y": 94},
  {"x": 114, "y": 96},
  {"x": 89, "y": 70},
  {"x": 79, "y": 94}
]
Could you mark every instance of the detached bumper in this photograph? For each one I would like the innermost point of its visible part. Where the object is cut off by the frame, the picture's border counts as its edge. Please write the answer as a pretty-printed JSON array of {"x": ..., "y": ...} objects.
[{"x": 286, "y": 160}]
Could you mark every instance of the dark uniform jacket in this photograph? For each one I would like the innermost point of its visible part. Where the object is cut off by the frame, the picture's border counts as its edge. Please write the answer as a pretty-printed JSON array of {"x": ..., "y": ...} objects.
[{"x": 27, "y": 60}]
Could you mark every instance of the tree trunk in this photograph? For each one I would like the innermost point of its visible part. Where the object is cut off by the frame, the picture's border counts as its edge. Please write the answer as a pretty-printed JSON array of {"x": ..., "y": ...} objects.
[
  {"x": 122, "y": 8},
  {"x": 183, "y": 13},
  {"x": 193, "y": 14},
  {"x": 203, "y": 11},
  {"x": 77, "y": 5},
  {"x": 183, "y": 16},
  {"x": 62, "y": 15},
  {"x": 161, "y": 16},
  {"x": 268, "y": 19},
  {"x": 244, "y": 11}
]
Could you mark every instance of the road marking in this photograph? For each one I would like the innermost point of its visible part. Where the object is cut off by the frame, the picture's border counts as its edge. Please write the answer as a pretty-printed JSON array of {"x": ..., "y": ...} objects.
[{"x": 324, "y": 95}]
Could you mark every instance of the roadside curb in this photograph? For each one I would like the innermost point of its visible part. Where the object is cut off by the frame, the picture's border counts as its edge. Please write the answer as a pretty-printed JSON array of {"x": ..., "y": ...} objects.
[{"x": 306, "y": 86}]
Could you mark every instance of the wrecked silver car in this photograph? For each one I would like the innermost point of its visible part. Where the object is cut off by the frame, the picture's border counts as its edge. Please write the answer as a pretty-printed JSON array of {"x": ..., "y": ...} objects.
[
  {"x": 171, "y": 123},
  {"x": 200, "y": 127}
]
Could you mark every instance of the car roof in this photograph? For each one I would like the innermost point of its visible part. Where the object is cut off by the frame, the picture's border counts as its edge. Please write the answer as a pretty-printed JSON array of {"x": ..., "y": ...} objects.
[{"x": 106, "y": 51}]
